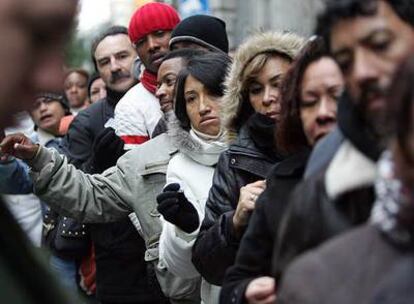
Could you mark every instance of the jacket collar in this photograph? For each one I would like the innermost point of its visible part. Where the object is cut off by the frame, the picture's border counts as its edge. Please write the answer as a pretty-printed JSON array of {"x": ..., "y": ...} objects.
[
  {"x": 113, "y": 96},
  {"x": 349, "y": 169}
]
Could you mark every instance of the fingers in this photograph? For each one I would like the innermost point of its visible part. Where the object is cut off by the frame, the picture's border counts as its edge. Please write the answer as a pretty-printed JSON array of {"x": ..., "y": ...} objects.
[
  {"x": 172, "y": 187},
  {"x": 8, "y": 143},
  {"x": 258, "y": 184},
  {"x": 168, "y": 206},
  {"x": 261, "y": 291}
]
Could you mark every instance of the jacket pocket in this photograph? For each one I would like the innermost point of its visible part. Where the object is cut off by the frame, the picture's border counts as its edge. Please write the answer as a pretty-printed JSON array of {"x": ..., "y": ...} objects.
[{"x": 153, "y": 181}]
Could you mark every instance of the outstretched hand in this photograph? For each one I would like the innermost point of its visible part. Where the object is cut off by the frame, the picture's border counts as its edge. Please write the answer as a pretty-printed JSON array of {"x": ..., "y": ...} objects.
[
  {"x": 18, "y": 145},
  {"x": 176, "y": 209}
]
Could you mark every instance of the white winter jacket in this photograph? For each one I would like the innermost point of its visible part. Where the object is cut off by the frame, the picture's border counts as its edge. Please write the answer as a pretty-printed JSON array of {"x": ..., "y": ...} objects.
[{"x": 193, "y": 168}]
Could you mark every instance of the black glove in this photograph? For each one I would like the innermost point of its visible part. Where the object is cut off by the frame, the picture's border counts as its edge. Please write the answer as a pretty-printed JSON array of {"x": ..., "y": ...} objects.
[
  {"x": 176, "y": 209},
  {"x": 107, "y": 148}
]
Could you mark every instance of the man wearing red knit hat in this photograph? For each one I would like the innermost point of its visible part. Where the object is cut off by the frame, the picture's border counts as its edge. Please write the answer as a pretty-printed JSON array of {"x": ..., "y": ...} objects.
[{"x": 138, "y": 112}]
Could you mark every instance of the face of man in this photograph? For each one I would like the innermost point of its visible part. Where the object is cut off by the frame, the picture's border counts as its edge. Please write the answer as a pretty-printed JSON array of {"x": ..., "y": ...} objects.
[
  {"x": 32, "y": 59},
  {"x": 368, "y": 49},
  {"x": 166, "y": 78},
  {"x": 114, "y": 57},
  {"x": 152, "y": 48}
]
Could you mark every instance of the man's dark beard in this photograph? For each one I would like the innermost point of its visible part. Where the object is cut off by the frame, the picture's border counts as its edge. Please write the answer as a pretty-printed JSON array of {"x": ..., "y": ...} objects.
[{"x": 375, "y": 121}]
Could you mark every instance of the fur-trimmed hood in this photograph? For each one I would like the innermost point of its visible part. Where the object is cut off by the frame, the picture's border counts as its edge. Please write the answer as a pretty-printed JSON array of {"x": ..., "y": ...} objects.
[{"x": 288, "y": 44}]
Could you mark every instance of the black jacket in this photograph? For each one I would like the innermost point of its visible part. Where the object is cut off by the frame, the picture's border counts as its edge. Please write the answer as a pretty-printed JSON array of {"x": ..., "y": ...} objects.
[
  {"x": 254, "y": 256},
  {"x": 77, "y": 143},
  {"x": 243, "y": 163},
  {"x": 313, "y": 216},
  {"x": 122, "y": 275}
]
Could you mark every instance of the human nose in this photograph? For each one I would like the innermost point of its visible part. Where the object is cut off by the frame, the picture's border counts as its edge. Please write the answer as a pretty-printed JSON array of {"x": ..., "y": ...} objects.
[
  {"x": 270, "y": 95},
  {"x": 42, "y": 106},
  {"x": 204, "y": 105},
  {"x": 364, "y": 68},
  {"x": 152, "y": 42},
  {"x": 326, "y": 110},
  {"x": 160, "y": 91},
  {"x": 114, "y": 64}
]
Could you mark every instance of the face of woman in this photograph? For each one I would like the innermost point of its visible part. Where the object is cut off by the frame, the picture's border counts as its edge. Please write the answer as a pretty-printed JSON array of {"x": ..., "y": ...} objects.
[
  {"x": 321, "y": 87},
  {"x": 202, "y": 107},
  {"x": 98, "y": 90},
  {"x": 46, "y": 115},
  {"x": 76, "y": 89},
  {"x": 264, "y": 90}
]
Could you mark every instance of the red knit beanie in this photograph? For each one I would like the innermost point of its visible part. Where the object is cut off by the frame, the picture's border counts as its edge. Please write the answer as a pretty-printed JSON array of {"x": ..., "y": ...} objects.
[{"x": 150, "y": 17}]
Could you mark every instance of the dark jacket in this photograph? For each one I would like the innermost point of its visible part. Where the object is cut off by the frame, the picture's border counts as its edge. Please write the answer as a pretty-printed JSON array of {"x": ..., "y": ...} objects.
[
  {"x": 337, "y": 199},
  {"x": 254, "y": 256},
  {"x": 216, "y": 245},
  {"x": 122, "y": 275},
  {"x": 355, "y": 267},
  {"x": 78, "y": 142}
]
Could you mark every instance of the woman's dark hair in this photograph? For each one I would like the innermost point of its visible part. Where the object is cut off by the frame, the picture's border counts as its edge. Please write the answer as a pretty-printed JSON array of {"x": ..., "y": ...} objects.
[
  {"x": 79, "y": 71},
  {"x": 290, "y": 135},
  {"x": 92, "y": 78},
  {"x": 337, "y": 10},
  {"x": 400, "y": 105},
  {"x": 210, "y": 69}
]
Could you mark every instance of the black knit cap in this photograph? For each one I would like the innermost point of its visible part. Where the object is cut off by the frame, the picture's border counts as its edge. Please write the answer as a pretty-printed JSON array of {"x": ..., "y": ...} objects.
[
  {"x": 204, "y": 30},
  {"x": 56, "y": 96}
]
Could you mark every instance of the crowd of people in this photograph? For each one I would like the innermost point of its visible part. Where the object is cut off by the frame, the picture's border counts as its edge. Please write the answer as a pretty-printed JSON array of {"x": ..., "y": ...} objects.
[{"x": 176, "y": 173}]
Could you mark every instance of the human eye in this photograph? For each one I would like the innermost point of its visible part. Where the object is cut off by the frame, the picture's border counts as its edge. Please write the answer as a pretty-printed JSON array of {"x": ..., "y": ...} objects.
[
  {"x": 103, "y": 62},
  {"x": 380, "y": 41},
  {"x": 308, "y": 103},
  {"x": 190, "y": 98},
  {"x": 159, "y": 33},
  {"x": 344, "y": 61},
  {"x": 276, "y": 83},
  {"x": 255, "y": 89},
  {"x": 140, "y": 42},
  {"x": 170, "y": 81}
]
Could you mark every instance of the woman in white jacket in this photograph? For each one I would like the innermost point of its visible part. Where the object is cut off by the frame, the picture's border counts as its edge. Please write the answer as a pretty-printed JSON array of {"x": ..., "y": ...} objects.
[{"x": 196, "y": 131}]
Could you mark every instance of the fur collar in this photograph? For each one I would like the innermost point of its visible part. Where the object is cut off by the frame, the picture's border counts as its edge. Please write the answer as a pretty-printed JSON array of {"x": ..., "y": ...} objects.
[
  {"x": 285, "y": 43},
  {"x": 348, "y": 170},
  {"x": 188, "y": 143}
]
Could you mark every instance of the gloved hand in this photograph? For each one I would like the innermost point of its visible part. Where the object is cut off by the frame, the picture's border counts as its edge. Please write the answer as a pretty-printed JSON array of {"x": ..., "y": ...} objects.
[
  {"x": 176, "y": 209},
  {"x": 107, "y": 148}
]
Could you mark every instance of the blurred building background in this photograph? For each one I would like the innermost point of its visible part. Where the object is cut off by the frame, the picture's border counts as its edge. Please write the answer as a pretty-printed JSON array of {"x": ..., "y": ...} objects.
[{"x": 241, "y": 16}]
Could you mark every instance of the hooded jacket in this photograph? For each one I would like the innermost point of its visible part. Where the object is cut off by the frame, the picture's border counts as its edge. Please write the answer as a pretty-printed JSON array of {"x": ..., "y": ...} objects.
[{"x": 247, "y": 160}]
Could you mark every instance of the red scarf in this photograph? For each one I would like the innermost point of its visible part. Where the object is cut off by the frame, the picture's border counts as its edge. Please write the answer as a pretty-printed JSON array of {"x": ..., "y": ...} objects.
[{"x": 149, "y": 81}]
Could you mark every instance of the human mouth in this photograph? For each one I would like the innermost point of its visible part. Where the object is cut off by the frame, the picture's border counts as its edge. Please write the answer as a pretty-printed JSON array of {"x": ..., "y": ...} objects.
[
  {"x": 46, "y": 117},
  {"x": 209, "y": 120},
  {"x": 272, "y": 114}
]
